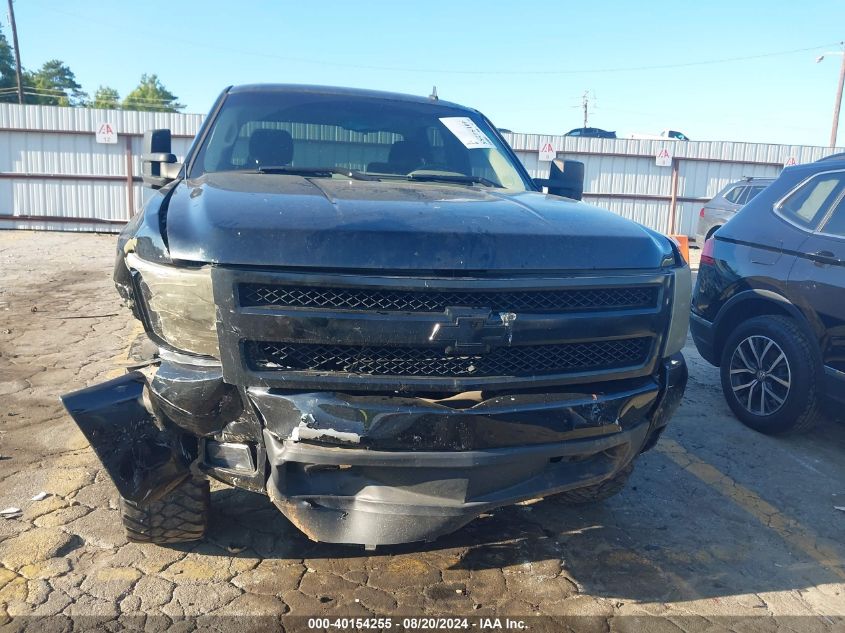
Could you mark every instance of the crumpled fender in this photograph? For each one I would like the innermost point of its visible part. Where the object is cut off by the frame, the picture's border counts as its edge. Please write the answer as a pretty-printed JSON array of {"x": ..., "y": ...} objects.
[{"x": 144, "y": 461}]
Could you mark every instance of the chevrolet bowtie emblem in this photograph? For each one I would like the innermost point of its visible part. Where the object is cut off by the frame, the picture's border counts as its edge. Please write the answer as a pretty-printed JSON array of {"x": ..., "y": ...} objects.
[{"x": 472, "y": 330}]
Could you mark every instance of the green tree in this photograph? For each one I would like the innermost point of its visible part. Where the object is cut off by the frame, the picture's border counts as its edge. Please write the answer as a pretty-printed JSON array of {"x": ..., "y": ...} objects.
[
  {"x": 54, "y": 84},
  {"x": 151, "y": 94},
  {"x": 8, "y": 81},
  {"x": 106, "y": 98}
]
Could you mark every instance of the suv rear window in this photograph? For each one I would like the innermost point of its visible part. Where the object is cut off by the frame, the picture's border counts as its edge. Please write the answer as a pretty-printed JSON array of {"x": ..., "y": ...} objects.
[
  {"x": 806, "y": 205},
  {"x": 753, "y": 191},
  {"x": 734, "y": 194}
]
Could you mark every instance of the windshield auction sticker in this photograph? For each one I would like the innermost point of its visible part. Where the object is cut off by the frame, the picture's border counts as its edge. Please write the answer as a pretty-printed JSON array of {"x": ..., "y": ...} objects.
[{"x": 467, "y": 132}]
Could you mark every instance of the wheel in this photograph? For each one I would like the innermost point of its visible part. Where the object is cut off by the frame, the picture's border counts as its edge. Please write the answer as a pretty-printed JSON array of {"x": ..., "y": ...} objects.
[
  {"x": 180, "y": 516},
  {"x": 770, "y": 376},
  {"x": 597, "y": 492}
]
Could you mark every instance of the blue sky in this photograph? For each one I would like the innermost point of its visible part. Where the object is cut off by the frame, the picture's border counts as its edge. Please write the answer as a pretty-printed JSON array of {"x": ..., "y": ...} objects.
[{"x": 525, "y": 65}]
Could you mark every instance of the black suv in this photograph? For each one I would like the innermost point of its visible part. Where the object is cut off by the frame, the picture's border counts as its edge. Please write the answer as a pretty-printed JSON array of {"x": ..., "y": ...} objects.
[{"x": 769, "y": 303}]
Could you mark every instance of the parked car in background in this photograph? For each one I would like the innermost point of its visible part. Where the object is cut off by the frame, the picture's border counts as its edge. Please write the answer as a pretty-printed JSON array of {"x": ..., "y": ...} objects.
[
  {"x": 724, "y": 205},
  {"x": 591, "y": 132},
  {"x": 769, "y": 303},
  {"x": 670, "y": 135}
]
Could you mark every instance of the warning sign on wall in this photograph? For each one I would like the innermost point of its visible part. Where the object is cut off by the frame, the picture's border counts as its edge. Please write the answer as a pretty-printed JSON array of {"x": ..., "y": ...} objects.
[
  {"x": 547, "y": 152},
  {"x": 790, "y": 161},
  {"x": 664, "y": 157},
  {"x": 106, "y": 133}
]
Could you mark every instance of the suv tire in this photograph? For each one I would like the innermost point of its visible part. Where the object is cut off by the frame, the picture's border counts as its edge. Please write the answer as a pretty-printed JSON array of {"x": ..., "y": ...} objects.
[
  {"x": 597, "y": 492},
  {"x": 770, "y": 376},
  {"x": 178, "y": 517}
]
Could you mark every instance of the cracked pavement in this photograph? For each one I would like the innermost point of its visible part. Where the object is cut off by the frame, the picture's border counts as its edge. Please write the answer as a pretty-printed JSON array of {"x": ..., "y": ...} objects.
[{"x": 717, "y": 522}]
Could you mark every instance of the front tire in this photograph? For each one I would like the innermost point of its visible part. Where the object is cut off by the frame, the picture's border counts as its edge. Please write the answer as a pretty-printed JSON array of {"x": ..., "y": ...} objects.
[
  {"x": 770, "y": 376},
  {"x": 178, "y": 517}
]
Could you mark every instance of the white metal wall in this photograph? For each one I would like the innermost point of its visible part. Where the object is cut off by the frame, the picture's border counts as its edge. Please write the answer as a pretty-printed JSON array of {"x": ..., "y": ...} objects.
[
  {"x": 52, "y": 167},
  {"x": 622, "y": 175}
]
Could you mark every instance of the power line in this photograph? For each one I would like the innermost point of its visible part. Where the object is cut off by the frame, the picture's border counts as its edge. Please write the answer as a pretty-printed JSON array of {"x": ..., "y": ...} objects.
[
  {"x": 579, "y": 71},
  {"x": 57, "y": 94},
  {"x": 48, "y": 95},
  {"x": 160, "y": 106},
  {"x": 453, "y": 71}
]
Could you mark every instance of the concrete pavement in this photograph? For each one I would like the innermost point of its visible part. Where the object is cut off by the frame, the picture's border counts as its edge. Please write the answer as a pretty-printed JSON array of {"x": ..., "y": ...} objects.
[{"x": 717, "y": 522}]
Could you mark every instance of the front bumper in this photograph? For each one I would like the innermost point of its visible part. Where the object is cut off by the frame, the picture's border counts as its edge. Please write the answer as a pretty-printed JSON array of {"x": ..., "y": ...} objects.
[
  {"x": 367, "y": 469},
  {"x": 336, "y": 488},
  {"x": 342, "y": 495}
]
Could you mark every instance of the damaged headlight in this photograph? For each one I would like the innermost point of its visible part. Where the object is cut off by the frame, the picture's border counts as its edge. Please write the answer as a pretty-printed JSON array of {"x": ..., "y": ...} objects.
[
  {"x": 676, "y": 337},
  {"x": 179, "y": 304}
]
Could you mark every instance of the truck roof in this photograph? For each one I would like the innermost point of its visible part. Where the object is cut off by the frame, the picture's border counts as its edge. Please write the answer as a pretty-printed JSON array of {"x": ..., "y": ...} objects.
[{"x": 348, "y": 92}]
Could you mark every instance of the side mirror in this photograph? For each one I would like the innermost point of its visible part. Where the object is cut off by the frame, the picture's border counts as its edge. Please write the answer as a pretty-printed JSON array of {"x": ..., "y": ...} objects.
[
  {"x": 566, "y": 178},
  {"x": 158, "y": 164}
]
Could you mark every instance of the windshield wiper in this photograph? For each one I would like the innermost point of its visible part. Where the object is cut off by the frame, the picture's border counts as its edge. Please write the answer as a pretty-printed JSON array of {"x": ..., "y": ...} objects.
[
  {"x": 324, "y": 172},
  {"x": 469, "y": 180}
]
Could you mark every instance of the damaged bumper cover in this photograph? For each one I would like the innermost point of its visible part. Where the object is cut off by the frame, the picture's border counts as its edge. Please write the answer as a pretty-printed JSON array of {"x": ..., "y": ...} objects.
[
  {"x": 343, "y": 495},
  {"x": 373, "y": 470},
  {"x": 144, "y": 460},
  {"x": 370, "y": 469}
]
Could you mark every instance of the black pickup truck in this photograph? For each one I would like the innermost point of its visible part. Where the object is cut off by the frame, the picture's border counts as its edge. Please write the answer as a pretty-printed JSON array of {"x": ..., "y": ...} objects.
[{"x": 365, "y": 308}]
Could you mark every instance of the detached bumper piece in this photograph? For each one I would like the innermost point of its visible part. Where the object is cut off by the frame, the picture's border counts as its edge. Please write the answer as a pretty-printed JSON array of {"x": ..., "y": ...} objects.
[
  {"x": 371, "y": 469},
  {"x": 143, "y": 461}
]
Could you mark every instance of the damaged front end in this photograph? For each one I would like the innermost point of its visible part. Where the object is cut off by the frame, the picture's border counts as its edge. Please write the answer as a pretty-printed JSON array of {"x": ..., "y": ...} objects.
[
  {"x": 377, "y": 470},
  {"x": 154, "y": 428},
  {"x": 144, "y": 460},
  {"x": 370, "y": 409},
  {"x": 362, "y": 468}
]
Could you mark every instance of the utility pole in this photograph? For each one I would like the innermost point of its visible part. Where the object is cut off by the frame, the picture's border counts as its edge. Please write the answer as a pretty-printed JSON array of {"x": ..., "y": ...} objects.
[
  {"x": 838, "y": 104},
  {"x": 17, "y": 51},
  {"x": 585, "y": 100}
]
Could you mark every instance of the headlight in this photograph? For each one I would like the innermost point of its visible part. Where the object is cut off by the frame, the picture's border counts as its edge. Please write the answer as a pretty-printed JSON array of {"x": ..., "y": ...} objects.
[
  {"x": 179, "y": 304},
  {"x": 682, "y": 289}
]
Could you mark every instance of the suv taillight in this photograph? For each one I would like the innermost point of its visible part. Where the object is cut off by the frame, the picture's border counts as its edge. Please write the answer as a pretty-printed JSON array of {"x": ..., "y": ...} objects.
[
  {"x": 701, "y": 213},
  {"x": 707, "y": 253}
]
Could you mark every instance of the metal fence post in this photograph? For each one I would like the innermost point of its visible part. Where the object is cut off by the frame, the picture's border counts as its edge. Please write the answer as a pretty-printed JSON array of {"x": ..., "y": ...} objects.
[
  {"x": 673, "y": 200},
  {"x": 130, "y": 184}
]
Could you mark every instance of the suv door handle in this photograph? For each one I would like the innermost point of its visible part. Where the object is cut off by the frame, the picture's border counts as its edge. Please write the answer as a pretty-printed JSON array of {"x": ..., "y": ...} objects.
[{"x": 823, "y": 258}]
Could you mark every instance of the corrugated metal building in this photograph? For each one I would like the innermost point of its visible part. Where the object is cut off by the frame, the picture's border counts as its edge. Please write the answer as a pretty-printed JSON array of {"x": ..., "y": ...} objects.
[
  {"x": 622, "y": 174},
  {"x": 54, "y": 175}
]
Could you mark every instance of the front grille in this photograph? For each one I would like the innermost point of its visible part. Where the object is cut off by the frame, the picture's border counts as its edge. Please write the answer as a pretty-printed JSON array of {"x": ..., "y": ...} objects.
[
  {"x": 386, "y": 300},
  {"x": 432, "y": 362}
]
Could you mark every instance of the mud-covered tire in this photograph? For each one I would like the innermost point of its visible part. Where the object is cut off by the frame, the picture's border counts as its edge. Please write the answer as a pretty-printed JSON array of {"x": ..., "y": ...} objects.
[
  {"x": 178, "y": 517},
  {"x": 597, "y": 492},
  {"x": 802, "y": 402}
]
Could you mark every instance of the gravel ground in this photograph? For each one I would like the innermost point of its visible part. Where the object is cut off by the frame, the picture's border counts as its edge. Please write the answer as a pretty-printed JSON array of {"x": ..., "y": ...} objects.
[{"x": 718, "y": 522}]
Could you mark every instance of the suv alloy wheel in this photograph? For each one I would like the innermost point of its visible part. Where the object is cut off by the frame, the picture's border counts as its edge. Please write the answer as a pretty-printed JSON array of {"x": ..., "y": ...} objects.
[
  {"x": 770, "y": 375},
  {"x": 760, "y": 375}
]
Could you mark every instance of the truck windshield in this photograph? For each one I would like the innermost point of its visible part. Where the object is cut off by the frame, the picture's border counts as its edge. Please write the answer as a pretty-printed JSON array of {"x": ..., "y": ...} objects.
[{"x": 314, "y": 134}]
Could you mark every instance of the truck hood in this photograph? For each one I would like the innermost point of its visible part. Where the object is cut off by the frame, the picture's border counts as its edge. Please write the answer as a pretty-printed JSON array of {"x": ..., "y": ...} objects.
[{"x": 271, "y": 220}]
